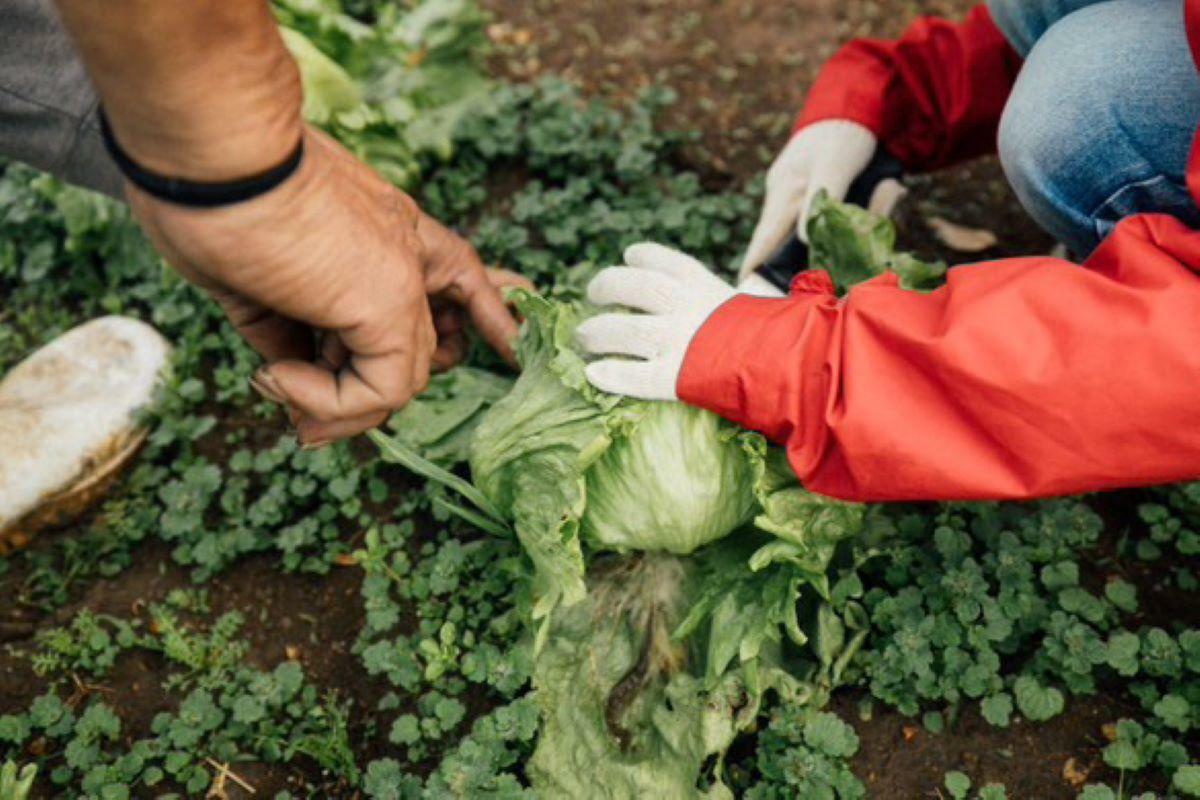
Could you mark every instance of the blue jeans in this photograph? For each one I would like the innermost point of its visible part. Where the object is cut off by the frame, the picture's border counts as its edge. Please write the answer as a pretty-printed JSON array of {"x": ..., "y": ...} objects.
[{"x": 1102, "y": 116}]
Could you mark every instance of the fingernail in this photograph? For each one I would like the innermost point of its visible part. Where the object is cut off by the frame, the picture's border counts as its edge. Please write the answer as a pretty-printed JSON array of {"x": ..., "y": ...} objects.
[
  {"x": 317, "y": 445},
  {"x": 266, "y": 385}
]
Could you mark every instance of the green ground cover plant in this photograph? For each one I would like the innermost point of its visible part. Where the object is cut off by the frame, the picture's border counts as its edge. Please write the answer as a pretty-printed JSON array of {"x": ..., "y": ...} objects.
[{"x": 1012, "y": 612}]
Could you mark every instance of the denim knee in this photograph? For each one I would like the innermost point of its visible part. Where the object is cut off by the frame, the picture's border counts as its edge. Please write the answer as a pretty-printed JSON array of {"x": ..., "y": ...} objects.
[
  {"x": 1039, "y": 147},
  {"x": 1101, "y": 119},
  {"x": 1024, "y": 21}
]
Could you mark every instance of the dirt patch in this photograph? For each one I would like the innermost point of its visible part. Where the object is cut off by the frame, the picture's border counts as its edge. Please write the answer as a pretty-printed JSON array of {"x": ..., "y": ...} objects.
[
  {"x": 311, "y": 619},
  {"x": 740, "y": 69},
  {"x": 898, "y": 758}
]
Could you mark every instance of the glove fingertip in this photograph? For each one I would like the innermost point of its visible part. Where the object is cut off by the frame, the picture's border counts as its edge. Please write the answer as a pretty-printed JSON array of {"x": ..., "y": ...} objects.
[
  {"x": 600, "y": 374},
  {"x": 640, "y": 254},
  {"x": 585, "y": 334},
  {"x": 590, "y": 291},
  {"x": 600, "y": 287}
]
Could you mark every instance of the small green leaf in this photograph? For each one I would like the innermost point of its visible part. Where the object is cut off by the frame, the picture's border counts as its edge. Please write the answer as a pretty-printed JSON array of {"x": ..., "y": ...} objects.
[
  {"x": 14, "y": 729},
  {"x": 1174, "y": 711},
  {"x": 1123, "y": 595},
  {"x": 248, "y": 709},
  {"x": 1121, "y": 652},
  {"x": 1038, "y": 703},
  {"x": 406, "y": 730},
  {"x": 1187, "y": 780},
  {"x": 997, "y": 709},
  {"x": 1123, "y": 755},
  {"x": 958, "y": 784},
  {"x": 828, "y": 734}
]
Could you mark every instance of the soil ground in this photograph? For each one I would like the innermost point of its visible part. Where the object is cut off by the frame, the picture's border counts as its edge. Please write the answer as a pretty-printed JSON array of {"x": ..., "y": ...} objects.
[{"x": 740, "y": 70}]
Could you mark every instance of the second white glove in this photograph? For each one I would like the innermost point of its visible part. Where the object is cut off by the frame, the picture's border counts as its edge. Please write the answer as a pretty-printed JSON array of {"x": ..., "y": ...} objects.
[{"x": 826, "y": 155}]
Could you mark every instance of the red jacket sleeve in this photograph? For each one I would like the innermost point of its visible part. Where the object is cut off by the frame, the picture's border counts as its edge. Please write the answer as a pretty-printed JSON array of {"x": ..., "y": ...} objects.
[
  {"x": 933, "y": 97},
  {"x": 1022, "y": 378}
]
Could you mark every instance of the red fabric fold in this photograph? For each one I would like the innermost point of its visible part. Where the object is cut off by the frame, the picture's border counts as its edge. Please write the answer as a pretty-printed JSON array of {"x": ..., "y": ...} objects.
[{"x": 933, "y": 97}]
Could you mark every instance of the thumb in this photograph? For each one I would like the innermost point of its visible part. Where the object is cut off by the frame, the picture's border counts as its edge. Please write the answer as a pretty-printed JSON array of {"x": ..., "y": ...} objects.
[{"x": 781, "y": 208}]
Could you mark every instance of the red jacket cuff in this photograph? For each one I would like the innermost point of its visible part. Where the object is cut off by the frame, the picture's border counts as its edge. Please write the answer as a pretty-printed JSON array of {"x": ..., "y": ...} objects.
[
  {"x": 932, "y": 97},
  {"x": 733, "y": 364},
  {"x": 848, "y": 89}
]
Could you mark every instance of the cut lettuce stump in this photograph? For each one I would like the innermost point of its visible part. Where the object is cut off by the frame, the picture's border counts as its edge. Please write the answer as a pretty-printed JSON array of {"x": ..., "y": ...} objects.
[{"x": 69, "y": 421}]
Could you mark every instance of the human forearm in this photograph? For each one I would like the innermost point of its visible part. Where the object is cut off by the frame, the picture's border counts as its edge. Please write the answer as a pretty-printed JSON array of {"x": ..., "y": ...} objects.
[{"x": 196, "y": 89}]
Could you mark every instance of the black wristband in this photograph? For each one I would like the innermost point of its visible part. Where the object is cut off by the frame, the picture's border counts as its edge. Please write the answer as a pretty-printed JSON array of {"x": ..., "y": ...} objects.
[{"x": 198, "y": 194}]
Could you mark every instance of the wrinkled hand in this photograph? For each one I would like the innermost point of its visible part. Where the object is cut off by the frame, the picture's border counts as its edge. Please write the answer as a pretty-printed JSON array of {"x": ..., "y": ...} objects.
[
  {"x": 463, "y": 293},
  {"x": 348, "y": 291},
  {"x": 826, "y": 155},
  {"x": 677, "y": 294}
]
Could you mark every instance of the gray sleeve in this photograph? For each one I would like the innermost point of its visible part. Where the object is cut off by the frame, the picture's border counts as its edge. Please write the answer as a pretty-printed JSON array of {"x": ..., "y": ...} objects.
[{"x": 47, "y": 104}]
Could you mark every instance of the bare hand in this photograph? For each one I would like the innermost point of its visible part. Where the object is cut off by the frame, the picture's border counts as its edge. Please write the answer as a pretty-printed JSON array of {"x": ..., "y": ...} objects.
[{"x": 336, "y": 278}]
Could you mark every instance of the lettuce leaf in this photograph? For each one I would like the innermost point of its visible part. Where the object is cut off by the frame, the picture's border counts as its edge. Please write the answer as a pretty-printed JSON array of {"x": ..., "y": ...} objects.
[
  {"x": 532, "y": 448},
  {"x": 807, "y": 526},
  {"x": 393, "y": 91},
  {"x": 620, "y": 719},
  {"x": 573, "y": 466},
  {"x": 328, "y": 89},
  {"x": 854, "y": 245},
  {"x": 644, "y": 686},
  {"x": 441, "y": 423}
]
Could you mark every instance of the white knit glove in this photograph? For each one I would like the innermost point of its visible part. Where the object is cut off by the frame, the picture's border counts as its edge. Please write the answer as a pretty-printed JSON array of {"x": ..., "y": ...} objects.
[
  {"x": 826, "y": 155},
  {"x": 677, "y": 295}
]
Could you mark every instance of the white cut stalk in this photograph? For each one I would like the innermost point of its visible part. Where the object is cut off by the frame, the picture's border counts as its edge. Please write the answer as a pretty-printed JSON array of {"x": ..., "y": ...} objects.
[{"x": 69, "y": 420}]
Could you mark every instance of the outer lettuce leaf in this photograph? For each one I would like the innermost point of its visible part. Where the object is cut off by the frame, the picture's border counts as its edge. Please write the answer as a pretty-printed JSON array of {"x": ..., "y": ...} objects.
[
  {"x": 328, "y": 89},
  {"x": 665, "y": 730},
  {"x": 532, "y": 448},
  {"x": 448, "y": 30},
  {"x": 735, "y": 615},
  {"x": 393, "y": 91},
  {"x": 609, "y": 735},
  {"x": 774, "y": 628},
  {"x": 630, "y": 712},
  {"x": 854, "y": 245},
  {"x": 759, "y": 595},
  {"x": 441, "y": 423},
  {"x": 16, "y": 783},
  {"x": 807, "y": 526}
]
